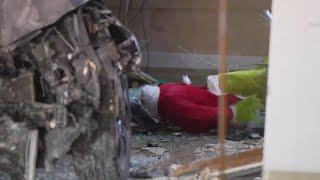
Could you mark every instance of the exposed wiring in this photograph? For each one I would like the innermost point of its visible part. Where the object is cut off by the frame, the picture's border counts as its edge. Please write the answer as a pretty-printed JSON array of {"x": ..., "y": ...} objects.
[
  {"x": 230, "y": 68},
  {"x": 126, "y": 12},
  {"x": 138, "y": 13},
  {"x": 130, "y": 4},
  {"x": 145, "y": 36},
  {"x": 141, "y": 13},
  {"x": 120, "y": 9},
  {"x": 211, "y": 65}
]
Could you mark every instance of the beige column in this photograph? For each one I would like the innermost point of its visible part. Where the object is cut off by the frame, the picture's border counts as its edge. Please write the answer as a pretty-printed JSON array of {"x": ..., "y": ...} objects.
[{"x": 292, "y": 141}]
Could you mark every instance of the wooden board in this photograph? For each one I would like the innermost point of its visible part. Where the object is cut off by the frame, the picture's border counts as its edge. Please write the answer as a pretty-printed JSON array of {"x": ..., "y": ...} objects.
[{"x": 230, "y": 161}]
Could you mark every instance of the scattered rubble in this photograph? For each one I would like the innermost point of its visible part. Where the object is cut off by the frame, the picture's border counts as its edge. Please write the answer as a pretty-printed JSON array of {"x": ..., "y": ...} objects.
[
  {"x": 156, "y": 154},
  {"x": 155, "y": 150},
  {"x": 231, "y": 147}
]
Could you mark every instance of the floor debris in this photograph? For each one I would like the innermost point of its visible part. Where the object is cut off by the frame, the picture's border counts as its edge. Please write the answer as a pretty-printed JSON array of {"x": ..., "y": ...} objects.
[
  {"x": 155, "y": 150},
  {"x": 157, "y": 154},
  {"x": 237, "y": 165}
]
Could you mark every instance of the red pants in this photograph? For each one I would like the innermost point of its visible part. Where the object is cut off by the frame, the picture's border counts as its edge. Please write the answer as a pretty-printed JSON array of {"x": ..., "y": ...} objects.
[{"x": 192, "y": 108}]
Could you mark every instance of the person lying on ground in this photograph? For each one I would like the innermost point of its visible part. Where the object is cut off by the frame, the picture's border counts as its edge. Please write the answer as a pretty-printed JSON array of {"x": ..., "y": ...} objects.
[{"x": 195, "y": 108}]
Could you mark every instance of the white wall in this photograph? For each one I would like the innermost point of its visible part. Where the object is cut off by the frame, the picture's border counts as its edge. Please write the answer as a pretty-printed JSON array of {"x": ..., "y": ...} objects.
[{"x": 293, "y": 103}]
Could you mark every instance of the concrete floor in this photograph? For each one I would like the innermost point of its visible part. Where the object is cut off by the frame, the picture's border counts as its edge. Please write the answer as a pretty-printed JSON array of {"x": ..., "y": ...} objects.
[{"x": 154, "y": 154}]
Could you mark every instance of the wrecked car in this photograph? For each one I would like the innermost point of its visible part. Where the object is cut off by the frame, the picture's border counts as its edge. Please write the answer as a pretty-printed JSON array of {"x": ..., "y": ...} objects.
[{"x": 63, "y": 90}]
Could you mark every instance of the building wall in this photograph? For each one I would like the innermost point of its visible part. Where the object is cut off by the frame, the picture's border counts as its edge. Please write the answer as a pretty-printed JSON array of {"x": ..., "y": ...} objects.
[{"x": 183, "y": 33}]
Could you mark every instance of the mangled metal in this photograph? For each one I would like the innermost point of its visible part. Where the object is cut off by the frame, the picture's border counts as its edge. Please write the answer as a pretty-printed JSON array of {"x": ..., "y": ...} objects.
[
  {"x": 19, "y": 18},
  {"x": 67, "y": 83}
]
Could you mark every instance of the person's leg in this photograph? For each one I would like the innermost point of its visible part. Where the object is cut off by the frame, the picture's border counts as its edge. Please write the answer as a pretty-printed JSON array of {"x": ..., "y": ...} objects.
[{"x": 192, "y": 117}]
